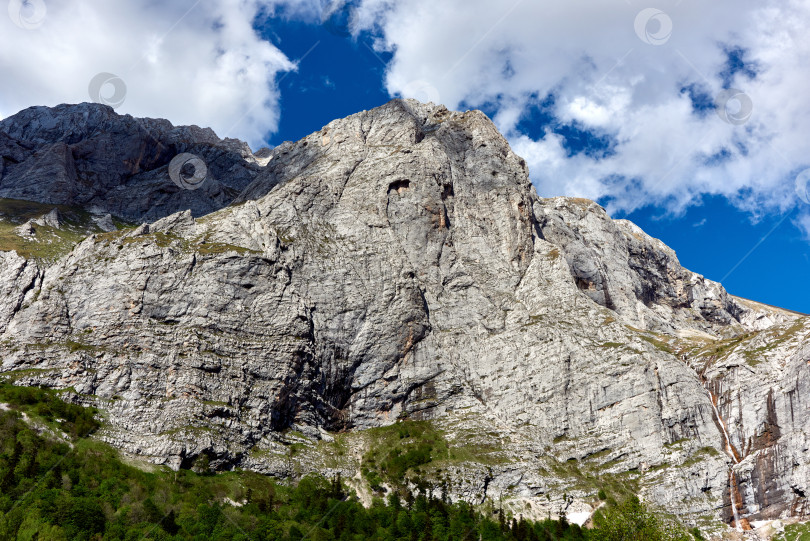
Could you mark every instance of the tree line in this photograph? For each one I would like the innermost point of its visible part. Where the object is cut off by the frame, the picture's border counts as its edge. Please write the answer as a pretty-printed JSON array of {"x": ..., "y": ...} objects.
[{"x": 59, "y": 484}]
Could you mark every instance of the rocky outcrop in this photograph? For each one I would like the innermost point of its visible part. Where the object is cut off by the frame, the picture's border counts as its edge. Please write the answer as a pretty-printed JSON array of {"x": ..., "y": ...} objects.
[
  {"x": 622, "y": 268},
  {"x": 760, "y": 383},
  {"x": 87, "y": 155},
  {"x": 398, "y": 264}
]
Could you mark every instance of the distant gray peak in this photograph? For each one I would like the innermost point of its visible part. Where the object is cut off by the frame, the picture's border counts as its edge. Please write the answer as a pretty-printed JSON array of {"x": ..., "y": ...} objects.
[{"x": 86, "y": 155}]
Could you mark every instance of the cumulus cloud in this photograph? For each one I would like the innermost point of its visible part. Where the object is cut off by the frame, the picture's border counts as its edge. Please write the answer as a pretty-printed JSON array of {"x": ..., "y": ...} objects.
[
  {"x": 190, "y": 62},
  {"x": 615, "y": 72}
]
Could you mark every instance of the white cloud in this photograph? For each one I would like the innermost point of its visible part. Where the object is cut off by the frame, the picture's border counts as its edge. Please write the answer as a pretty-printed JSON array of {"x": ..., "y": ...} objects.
[
  {"x": 504, "y": 55},
  {"x": 207, "y": 65},
  {"x": 193, "y": 64},
  {"x": 803, "y": 223},
  {"x": 597, "y": 111}
]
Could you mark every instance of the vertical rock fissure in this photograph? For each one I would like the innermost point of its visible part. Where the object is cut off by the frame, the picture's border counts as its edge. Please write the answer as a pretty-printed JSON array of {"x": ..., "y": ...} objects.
[
  {"x": 733, "y": 494},
  {"x": 730, "y": 450},
  {"x": 735, "y": 497},
  {"x": 33, "y": 284}
]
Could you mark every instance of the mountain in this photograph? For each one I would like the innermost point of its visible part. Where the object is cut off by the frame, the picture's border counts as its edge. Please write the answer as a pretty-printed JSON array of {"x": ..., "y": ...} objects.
[
  {"x": 395, "y": 268},
  {"x": 87, "y": 155}
]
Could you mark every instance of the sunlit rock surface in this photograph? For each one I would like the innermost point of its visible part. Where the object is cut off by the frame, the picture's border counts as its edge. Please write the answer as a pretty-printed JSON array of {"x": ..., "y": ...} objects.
[{"x": 397, "y": 264}]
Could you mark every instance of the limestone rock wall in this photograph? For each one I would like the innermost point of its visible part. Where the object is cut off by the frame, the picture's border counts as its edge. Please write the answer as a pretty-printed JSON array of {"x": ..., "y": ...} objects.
[{"x": 399, "y": 264}]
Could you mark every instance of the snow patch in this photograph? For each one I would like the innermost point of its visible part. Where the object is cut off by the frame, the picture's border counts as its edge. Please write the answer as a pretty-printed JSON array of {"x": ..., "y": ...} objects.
[{"x": 579, "y": 518}]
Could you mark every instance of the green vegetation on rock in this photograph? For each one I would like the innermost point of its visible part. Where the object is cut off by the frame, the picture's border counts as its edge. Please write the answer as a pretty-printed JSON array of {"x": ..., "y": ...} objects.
[
  {"x": 48, "y": 243},
  {"x": 631, "y": 520},
  {"x": 400, "y": 449},
  {"x": 52, "y": 489},
  {"x": 795, "y": 532},
  {"x": 45, "y": 405}
]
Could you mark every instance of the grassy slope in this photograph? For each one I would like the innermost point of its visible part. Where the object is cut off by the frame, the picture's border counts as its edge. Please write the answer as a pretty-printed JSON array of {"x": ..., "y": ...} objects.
[{"x": 49, "y": 243}]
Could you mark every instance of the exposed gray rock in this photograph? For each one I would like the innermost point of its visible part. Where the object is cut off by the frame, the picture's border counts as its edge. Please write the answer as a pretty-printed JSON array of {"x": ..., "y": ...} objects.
[
  {"x": 620, "y": 267},
  {"x": 398, "y": 263},
  {"x": 87, "y": 155},
  {"x": 105, "y": 223},
  {"x": 761, "y": 384},
  {"x": 19, "y": 278},
  {"x": 26, "y": 230},
  {"x": 52, "y": 219}
]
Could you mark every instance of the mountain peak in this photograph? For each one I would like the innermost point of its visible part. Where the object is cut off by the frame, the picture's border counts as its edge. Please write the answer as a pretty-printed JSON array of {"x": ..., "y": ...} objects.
[
  {"x": 395, "y": 266},
  {"x": 87, "y": 155}
]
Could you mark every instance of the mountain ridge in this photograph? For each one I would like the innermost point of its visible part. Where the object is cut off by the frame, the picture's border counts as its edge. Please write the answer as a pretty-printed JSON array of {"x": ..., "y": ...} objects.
[
  {"x": 87, "y": 155},
  {"x": 398, "y": 264}
]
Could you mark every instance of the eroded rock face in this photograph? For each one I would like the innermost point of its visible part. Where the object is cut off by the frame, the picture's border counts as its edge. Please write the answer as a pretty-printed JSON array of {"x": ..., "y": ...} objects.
[
  {"x": 761, "y": 385},
  {"x": 398, "y": 264},
  {"x": 87, "y": 155},
  {"x": 620, "y": 267}
]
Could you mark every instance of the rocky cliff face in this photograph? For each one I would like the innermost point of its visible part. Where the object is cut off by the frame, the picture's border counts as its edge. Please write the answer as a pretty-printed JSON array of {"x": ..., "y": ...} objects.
[
  {"x": 398, "y": 264},
  {"x": 89, "y": 156}
]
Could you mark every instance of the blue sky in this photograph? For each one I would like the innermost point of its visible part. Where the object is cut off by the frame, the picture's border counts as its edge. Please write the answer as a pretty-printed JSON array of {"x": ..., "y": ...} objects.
[
  {"x": 337, "y": 76},
  {"x": 690, "y": 119}
]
